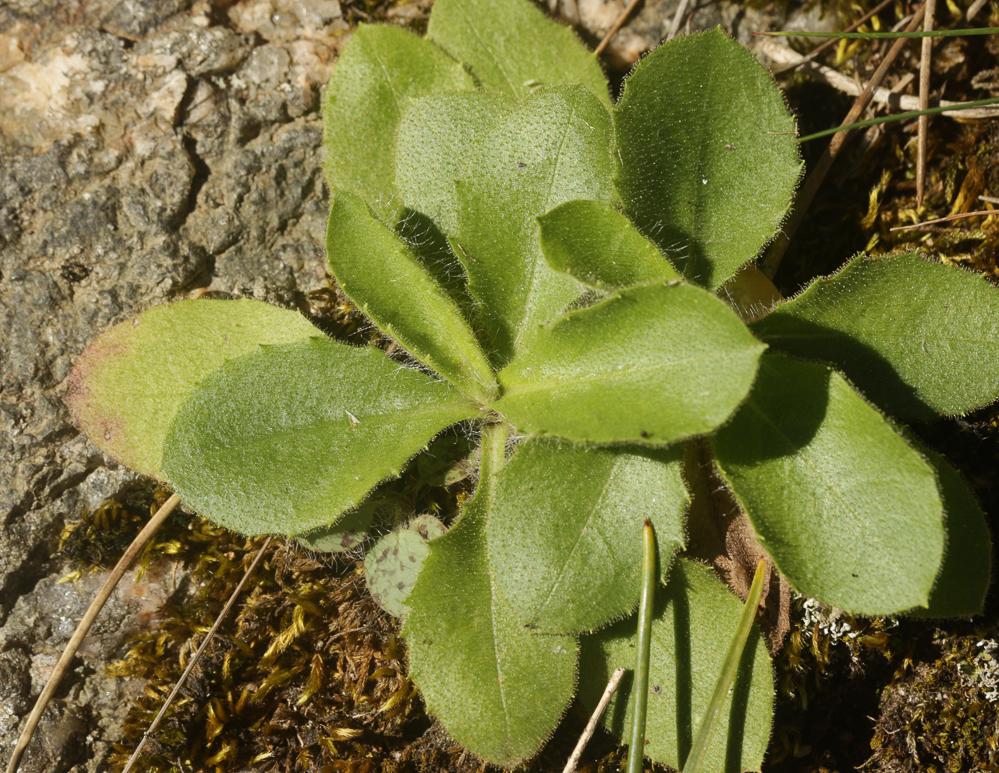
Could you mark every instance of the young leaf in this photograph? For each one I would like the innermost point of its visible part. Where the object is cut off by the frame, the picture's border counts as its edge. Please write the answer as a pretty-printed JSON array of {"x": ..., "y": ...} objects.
[
  {"x": 960, "y": 588},
  {"x": 709, "y": 160},
  {"x": 562, "y": 536},
  {"x": 380, "y": 68},
  {"x": 498, "y": 689},
  {"x": 915, "y": 335},
  {"x": 513, "y": 48},
  {"x": 289, "y": 438},
  {"x": 129, "y": 383},
  {"x": 848, "y": 510},
  {"x": 595, "y": 243},
  {"x": 484, "y": 168},
  {"x": 383, "y": 277},
  {"x": 694, "y": 621},
  {"x": 394, "y": 562},
  {"x": 653, "y": 364}
]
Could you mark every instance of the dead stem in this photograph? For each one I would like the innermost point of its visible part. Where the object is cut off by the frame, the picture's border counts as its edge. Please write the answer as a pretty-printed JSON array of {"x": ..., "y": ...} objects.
[
  {"x": 615, "y": 27},
  {"x": 66, "y": 658},
  {"x": 925, "y": 68}
]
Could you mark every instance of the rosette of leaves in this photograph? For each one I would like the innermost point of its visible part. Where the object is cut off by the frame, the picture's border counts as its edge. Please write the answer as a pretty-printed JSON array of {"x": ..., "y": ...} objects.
[{"x": 571, "y": 277}]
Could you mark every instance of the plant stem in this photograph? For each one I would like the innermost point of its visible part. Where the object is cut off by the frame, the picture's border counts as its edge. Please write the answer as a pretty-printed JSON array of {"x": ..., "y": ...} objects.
[
  {"x": 885, "y": 35},
  {"x": 729, "y": 671},
  {"x": 640, "y": 685},
  {"x": 103, "y": 594},
  {"x": 494, "y": 438},
  {"x": 154, "y": 725},
  {"x": 901, "y": 117}
]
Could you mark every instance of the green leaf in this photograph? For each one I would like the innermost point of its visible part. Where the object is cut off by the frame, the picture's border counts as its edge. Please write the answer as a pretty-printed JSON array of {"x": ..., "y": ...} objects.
[
  {"x": 393, "y": 564},
  {"x": 498, "y": 688},
  {"x": 916, "y": 336},
  {"x": 595, "y": 243},
  {"x": 694, "y": 621},
  {"x": 129, "y": 383},
  {"x": 653, "y": 364},
  {"x": 848, "y": 510},
  {"x": 288, "y": 438},
  {"x": 563, "y": 531},
  {"x": 513, "y": 48},
  {"x": 960, "y": 588},
  {"x": 380, "y": 68},
  {"x": 484, "y": 168},
  {"x": 379, "y": 510},
  {"x": 382, "y": 276},
  {"x": 709, "y": 160}
]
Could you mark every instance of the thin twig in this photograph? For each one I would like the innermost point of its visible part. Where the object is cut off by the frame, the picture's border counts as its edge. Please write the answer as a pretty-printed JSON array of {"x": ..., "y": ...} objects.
[
  {"x": 813, "y": 182},
  {"x": 989, "y": 199},
  {"x": 786, "y": 58},
  {"x": 822, "y": 47},
  {"x": 73, "y": 645},
  {"x": 591, "y": 726},
  {"x": 615, "y": 27},
  {"x": 925, "y": 68},
  {"x": 678, "y": 17},
  {"x": 947, "y": 219},
  {"x": 893, "y": 35},
  {"x": 640, "y": 685},
  {"x": 197, "y": 656},
  {"x": 974, "y": 8}
]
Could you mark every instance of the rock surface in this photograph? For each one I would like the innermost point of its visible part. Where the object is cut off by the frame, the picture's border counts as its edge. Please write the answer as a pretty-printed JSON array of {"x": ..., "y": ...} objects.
[{"x": 148, "y": 149}]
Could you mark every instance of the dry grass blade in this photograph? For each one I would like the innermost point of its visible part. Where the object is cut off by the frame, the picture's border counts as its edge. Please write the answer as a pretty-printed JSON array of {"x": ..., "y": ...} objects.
[
  {"x": 974, "y": 8},
  {"x": 678, "y": 17},
  {"x": 616, "y": 26},
  {"x": 591, "y": 726},
  {"x": 197, "y": 655},
  {"x": 925, "y": 68},
  {"x": 947, "y": 219},
  {"x": 771, "y": 262},
  {"x": 73, "y": 645}
]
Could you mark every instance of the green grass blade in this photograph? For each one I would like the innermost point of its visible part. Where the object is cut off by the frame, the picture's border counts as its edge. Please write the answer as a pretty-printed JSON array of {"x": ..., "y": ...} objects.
[
  {"x": 961, "y": 33},
  {"x": 901, "y": 117},
  {"x": 636, "y": 749},
  {"x": 727, "y": 677}
]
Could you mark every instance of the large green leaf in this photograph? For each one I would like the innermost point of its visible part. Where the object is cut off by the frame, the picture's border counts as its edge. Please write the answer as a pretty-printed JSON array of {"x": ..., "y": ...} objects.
[
  {"x": 708, "y": 153},
  {"x": 595, "y": 243},
  {"x": 290, "y": 437},
  {"x": 915, "y": 335},
  {"x": 563, "y": 531},
  {"x": 695, "y": 619},
  {"x": 380, "y": 68},
  {"x": 498, "y": 688},
  {"x": 653, "y": 364},
  {"x": 484, "y": 168},
  {"x": 512, "y": 47},
  {"x": 383, "y": 277},
  {"x": 960, "y": 588},
  {"x": 129, "y": 383},
  {"x": 848, "y": 510}
]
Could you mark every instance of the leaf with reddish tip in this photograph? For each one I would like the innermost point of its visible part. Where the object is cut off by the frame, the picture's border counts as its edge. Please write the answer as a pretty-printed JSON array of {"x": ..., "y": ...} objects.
[{"x": 129, "y": 383}]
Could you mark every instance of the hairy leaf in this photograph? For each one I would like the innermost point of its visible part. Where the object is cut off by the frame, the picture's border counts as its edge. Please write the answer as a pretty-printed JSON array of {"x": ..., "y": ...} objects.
[
  {"x": 916, "y": 336},
  {"x": 848, "y": 510},
  {"x": 562, "y": 532},
  {"x": 290, "y": 437},
  {"x": 695, "y": 619},
  {"x": 708, "y": 153},
  {"x": 129, "y": 383},
  {"x": 653, "y": 364},
  {"x": 380, "y": 68},
  {"x": 960, "y": 588},
  {"x": 386, "y": 281},
  {"x": 512, "y": 47},
  {"x": 595, "y": 243},
  {"x": 498, "y": 688},
  {"x": 484, "y": 168},
  {"x": 394, "y": 562}
]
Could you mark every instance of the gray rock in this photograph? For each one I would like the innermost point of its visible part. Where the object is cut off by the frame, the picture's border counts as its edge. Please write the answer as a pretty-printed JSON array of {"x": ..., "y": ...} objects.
[{"x": 148, "y": 150}]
